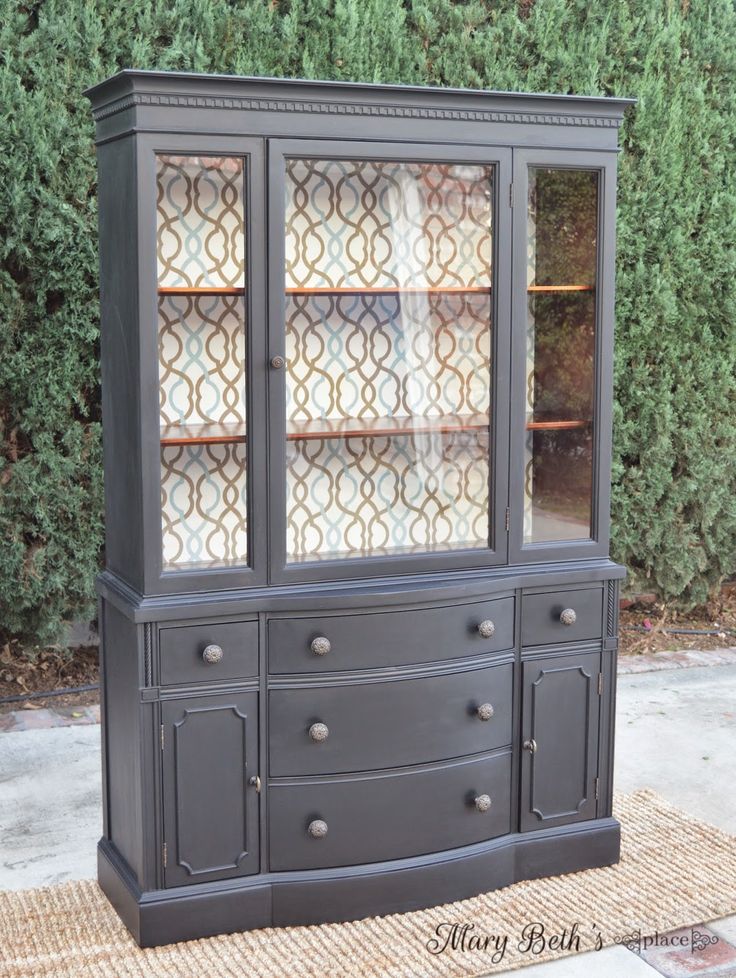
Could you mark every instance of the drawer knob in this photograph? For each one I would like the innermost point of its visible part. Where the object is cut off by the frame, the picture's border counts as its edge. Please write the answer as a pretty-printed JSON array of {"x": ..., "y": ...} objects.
[
  {"x": 483, "y": 803},
  {"x": 530, "y": 745},
  {"x": 212, "y": 655},
  {"x": 568, "y": 616},
  {"x": 485, "y": 711},
  {"x": 320, "y": 645},
  {"x": 317, "y": 829},
  {"x": 319, "y": 732},
  {"x": 486, "y": 628}
]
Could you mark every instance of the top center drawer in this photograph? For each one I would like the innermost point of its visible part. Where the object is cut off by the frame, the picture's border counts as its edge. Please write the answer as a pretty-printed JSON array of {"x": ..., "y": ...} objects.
[{"x": 332, "y": 643}]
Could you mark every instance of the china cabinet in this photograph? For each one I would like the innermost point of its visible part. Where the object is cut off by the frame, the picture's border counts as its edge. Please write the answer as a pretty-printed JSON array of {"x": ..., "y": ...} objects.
[{"x": 359, "y": 623}]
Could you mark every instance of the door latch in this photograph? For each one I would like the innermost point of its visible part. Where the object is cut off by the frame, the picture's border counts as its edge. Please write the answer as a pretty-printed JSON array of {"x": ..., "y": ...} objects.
[{"x": 255, "y": 782}]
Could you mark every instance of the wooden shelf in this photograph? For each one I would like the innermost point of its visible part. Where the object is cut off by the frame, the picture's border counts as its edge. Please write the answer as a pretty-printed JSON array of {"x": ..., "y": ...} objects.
[
  {"x": 184, "y": 290},
  {"x": 343, "y": 428},
  {"x": 202, "y": 434},
  {"x": 555, "y": 425},
  {"x": 393, "y": 290},
  {"x": 380, "y": 427},
  {"x": 561, "y": 288}
]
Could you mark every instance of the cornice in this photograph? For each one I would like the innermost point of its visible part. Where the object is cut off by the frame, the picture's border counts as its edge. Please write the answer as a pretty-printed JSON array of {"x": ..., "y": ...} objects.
[{"x": 250, "y": 103}]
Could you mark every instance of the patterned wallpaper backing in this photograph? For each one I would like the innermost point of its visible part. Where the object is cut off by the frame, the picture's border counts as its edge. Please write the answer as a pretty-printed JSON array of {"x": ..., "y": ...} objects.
[
  {"x": 351, "y": 358},
  {"x": 201, "y": 244},
  {"x": 410, "y": 355}
]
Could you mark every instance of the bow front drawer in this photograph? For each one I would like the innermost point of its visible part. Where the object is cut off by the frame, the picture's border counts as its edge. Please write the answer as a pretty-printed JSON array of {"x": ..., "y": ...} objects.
[
  {"x": 562, "y": 616},
  {"x": 347, "y": 821},
  {"x": 208, "y": 652},
  {"x": 365, "y": 641},
  {"x": 366, "y": 726}
]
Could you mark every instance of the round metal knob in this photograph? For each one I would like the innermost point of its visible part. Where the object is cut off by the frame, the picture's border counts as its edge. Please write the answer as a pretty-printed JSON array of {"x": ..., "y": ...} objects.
[
  {"x": 212, "y": 655},
  {"x": 486, "y": 628},
  {"x": 485, "y": 711},
  {"x": 568, "y": 616},
  {"x": 277, "y": 362},
  {"x": 319, "y": 732},
  {"x": 483, "y": 803},
  {"x": 320, "y": 645},
  {"x": 530, "y": 745},
  {"x": 317, "y": 829}
]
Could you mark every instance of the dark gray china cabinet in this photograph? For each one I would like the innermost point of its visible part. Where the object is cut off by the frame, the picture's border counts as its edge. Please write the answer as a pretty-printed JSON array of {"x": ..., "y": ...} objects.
[{"x": 359, "y": 623}]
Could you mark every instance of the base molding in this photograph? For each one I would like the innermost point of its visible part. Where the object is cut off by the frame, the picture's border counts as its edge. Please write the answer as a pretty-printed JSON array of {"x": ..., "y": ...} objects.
[{"x": 328, "y": 896}]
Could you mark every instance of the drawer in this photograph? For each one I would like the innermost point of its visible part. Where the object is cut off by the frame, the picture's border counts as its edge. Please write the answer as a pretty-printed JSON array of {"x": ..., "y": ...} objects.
[
  {"x": 388, "y": 816},
  {"x": 181, "y": 648},
  {"x": 390, "y": 723},
  {"x": 393, "y": 638},
  {"x": 540, "y": 616}
]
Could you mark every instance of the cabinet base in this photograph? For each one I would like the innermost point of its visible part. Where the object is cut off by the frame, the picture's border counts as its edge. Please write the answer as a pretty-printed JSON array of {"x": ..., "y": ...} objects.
[{"x": 327, "y": 896}]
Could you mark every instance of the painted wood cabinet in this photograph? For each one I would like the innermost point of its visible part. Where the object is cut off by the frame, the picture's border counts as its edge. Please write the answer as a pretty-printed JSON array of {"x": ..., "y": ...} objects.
[{"x": 358, "y": 616}]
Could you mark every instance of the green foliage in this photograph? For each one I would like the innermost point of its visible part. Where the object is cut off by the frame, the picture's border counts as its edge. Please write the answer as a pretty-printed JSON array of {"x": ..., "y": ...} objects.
[{"x": 675, "y": 442}]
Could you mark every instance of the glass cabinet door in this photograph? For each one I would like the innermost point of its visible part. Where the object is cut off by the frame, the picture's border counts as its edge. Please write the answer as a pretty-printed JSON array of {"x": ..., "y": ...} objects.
[
  {"x": 201, "y": 259},
  {"x": 562, "y": 281},
  {"x": 388, "y": 276}
]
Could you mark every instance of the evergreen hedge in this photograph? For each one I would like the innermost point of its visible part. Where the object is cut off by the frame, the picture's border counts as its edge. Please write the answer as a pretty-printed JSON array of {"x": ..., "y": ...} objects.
[{"x": 675, "y": 439}]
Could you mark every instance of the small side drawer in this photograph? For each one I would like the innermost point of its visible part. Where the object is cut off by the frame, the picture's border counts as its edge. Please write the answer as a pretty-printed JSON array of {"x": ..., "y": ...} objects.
[
  {"x": 368, "y": 726},
  {"x": 181, "y": 652},
  {"x": 388, "y": 816},
  {"x": 543, "y": 622},
  {"x": 392, "y": 638}
]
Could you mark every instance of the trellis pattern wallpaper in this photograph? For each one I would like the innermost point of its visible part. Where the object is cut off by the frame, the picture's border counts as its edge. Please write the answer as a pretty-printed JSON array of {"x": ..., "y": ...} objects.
[
  {"x": 204, "y": 505},
  {"x": 394, "y": 358},
  {"x": 200, "y": 213},
  {"x": 379, "y": 224},
  {"x": 378, "y": 356},
  {"x": 201, "y": 342},
  {"x": 201, "y": 339}
]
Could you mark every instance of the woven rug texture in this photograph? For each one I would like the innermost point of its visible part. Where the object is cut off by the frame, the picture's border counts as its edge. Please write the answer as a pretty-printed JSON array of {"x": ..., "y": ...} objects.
[{"x": 675, "y": 871}]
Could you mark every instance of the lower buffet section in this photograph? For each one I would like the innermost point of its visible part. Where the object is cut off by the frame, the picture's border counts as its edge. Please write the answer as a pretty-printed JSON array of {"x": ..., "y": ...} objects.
[
  {"x": 283, "y": 768},
  {"x": 331, "y": 896}
]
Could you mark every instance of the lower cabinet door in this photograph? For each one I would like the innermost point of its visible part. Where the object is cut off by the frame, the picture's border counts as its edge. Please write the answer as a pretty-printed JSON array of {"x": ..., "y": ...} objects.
[
  {"x": 210, "y": 749},
  {"x": 560, "y": 713}
]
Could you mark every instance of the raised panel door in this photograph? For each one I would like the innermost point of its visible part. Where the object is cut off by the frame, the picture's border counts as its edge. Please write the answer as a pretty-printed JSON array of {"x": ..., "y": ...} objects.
[
  {"x": 559, "y": 761},
  {"x": 210, "y": 810}
]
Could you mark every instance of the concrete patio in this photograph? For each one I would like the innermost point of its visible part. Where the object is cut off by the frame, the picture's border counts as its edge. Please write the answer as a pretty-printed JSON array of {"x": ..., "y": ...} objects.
[{"x": 675, "y": 734}]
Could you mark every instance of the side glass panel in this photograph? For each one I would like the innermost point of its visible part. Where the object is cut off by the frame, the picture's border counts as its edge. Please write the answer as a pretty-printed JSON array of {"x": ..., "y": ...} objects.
[
  {"x": 388, "y": 279},
  {"x": 561, "y": 286},
  {"x": 201, "y": 346}
]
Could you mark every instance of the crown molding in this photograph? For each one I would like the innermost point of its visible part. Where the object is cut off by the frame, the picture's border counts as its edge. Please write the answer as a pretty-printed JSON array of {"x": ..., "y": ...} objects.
[{"x": 250, "y": 103}]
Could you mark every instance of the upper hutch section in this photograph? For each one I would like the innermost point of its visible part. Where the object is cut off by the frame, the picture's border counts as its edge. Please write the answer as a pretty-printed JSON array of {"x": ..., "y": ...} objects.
[{"x": 318, "y": 353}]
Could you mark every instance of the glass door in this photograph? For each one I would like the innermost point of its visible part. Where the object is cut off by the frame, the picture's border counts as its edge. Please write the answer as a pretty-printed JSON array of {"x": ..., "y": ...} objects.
[
  {"x": 386, "y": 325},
  {"x": 559, "y": 303}
]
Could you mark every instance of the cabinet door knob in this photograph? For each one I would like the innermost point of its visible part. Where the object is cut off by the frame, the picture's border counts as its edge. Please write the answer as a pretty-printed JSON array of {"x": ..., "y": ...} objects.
[
  {"x": 482, "y": 803},
  {"x": 277, "y": 363},
  {"x": 319, "y": 732},
  {"x": 212, "y": 655},
  {"x": 530, "y": 745},
  {"x": 568, "y": 616},
  {"x": 320, "y": 645},
  {"x": 486, "y": 628},
  {"x": 317, "y": 829},
  {"x": 485, "y": 711}
]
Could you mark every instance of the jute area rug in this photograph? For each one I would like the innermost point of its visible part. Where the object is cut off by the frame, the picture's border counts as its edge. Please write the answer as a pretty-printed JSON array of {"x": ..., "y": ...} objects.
[{"x": 675, "y": 871}]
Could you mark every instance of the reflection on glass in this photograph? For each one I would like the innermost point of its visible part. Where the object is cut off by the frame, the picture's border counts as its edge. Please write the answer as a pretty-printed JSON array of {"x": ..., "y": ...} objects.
[
  {"x": 561, "y": 280},
  {"x": 388, "y": 340},
  {"x": 201, "y": 344}
]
